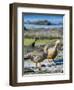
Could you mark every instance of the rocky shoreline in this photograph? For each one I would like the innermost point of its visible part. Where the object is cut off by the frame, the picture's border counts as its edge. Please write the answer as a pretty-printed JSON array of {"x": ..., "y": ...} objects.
[{"x": 49, "y": 68}]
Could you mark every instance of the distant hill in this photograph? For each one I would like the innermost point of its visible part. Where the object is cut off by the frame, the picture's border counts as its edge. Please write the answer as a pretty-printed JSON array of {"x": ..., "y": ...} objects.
[{"x": 41, "y": 22}]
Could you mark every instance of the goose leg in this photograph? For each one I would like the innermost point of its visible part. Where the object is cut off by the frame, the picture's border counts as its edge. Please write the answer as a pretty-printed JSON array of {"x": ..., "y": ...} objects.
[
  {"x": 50, "y": 62},
  {"x": 54, "y": 63},
  {"x": 39, "y": 66},
  {"x": 36, "y": 64}
]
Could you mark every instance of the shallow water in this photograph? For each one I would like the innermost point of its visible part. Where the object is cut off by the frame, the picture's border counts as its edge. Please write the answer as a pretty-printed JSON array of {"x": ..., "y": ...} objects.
[{"x": 46, "y": 67}]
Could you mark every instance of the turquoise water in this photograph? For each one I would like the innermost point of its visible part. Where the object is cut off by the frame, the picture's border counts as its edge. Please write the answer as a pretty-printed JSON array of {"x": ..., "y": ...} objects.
[{"x": 32, "y": 26}]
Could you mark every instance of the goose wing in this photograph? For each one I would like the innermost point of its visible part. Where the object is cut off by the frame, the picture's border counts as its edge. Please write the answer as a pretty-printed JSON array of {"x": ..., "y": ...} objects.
[{"x": 52, "y": 53}]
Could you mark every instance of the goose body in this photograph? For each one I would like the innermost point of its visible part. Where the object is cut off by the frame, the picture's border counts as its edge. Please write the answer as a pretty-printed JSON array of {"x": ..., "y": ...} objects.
[
  {"x": 37, "y": 59},
  {"x": 52, "y": 52}
]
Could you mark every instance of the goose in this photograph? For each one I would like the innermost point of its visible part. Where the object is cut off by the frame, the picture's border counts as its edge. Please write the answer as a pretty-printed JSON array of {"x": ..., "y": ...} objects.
[
  {"x": 52, "y": 52},
  {"x": 37, "y": 59}
]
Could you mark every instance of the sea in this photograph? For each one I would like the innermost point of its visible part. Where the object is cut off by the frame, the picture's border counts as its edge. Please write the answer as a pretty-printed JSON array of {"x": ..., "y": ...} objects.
[{"x": 33, "y": 26}]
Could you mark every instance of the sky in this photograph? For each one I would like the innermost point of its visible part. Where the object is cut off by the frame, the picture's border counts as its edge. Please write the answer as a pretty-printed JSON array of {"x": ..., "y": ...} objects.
[{"x": 35, "y": 17}]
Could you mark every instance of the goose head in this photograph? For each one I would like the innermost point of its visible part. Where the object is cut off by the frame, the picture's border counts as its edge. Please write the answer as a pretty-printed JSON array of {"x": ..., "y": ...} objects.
[{"x": 57, "y": 42}]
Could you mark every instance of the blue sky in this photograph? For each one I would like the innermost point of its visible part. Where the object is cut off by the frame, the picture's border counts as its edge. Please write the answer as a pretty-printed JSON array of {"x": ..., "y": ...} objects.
[{"x": 35, "y": 17}]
